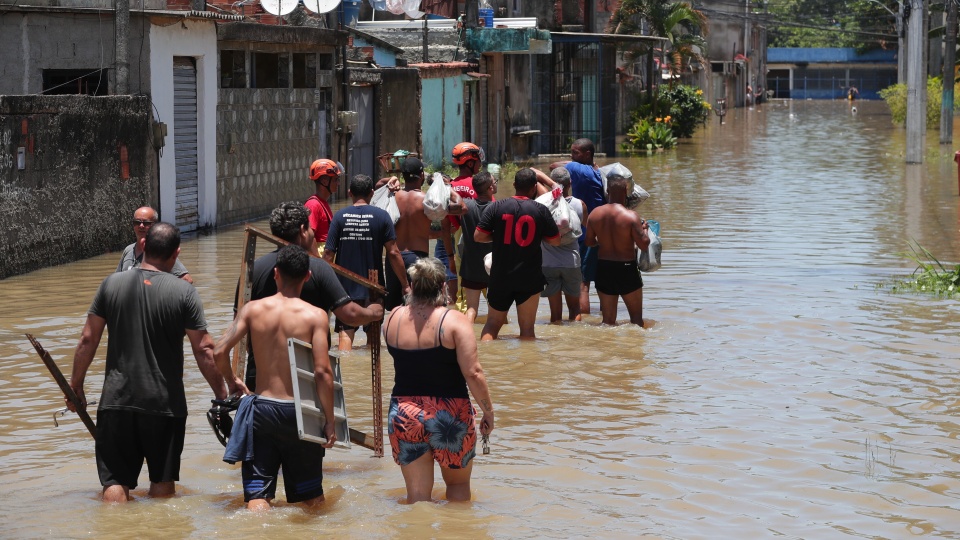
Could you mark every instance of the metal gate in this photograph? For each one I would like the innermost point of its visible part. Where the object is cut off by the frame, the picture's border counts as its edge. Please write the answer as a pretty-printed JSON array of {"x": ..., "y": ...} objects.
[
  {"x": 185, "y": 142},
  {"x": 569, "y": 104},
  {"x": 363, "y": 154}
]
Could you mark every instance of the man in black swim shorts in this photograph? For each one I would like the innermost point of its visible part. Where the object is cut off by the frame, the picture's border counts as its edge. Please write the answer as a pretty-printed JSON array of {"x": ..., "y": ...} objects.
[{"x": 619, "y": 232}]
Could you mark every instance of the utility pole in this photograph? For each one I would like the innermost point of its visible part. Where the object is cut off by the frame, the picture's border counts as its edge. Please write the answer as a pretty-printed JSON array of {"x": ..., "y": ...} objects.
[
  {"x": 122, "y": 27},
  {"x": 949, "y": 58},
  {"x": 914, "y": 13}
]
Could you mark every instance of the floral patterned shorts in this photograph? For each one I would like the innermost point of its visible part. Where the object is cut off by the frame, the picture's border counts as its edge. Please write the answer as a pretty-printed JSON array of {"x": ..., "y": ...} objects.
[{"x": 444, "y": 425}]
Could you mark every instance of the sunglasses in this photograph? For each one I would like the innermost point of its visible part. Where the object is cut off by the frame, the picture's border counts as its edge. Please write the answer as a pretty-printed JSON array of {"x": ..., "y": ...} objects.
[{"x": 142, "y": 222}]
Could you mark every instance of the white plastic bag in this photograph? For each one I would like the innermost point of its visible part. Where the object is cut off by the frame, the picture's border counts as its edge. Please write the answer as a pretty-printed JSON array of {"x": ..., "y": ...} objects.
[
  {"x": 635, "y": 197},
  {"x": 559, "y": 208},
  {"x": 385, "y": 199},
  {"x": 488, "y": 261},
  {"x": 649, "y": 259},
  {"x": 437, "y": 198}
]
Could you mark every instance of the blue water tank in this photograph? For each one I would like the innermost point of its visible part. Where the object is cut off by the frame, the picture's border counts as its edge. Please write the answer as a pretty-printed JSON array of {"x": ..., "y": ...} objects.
[
  {"x": 486, "y": 17},
  {"x": 351, "y": 12}
]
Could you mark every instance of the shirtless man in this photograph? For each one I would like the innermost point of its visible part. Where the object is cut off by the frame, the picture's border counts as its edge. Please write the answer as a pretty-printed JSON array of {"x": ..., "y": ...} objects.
[
  {"x": 413, "y": 228},
  {"x": 270, "y": 321},
  {"x": 618, "y": 232}
]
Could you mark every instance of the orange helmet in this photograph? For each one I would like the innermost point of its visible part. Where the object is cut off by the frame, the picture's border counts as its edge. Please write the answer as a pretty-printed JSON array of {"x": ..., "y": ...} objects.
[
  {"x": 466, "y": 151},
  {"x": 324, "y": 167}
]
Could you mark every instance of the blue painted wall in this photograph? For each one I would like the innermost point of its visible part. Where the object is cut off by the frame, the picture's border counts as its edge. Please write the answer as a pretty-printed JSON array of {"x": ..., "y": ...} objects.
[
  {"x": 834, "y": 55},
  {"x": 381, "y": 56},
  {"x": 442, "y": 118}
]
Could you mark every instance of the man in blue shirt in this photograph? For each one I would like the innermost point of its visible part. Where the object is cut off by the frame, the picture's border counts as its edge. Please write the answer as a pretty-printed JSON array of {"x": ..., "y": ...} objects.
[
  {"x": 356, "y": 240},
  {"x": 587, "y": 185}
]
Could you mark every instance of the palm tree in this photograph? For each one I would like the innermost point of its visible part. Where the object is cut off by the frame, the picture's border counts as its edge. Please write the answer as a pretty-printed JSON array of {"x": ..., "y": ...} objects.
[{"x": 678, "y": 22}]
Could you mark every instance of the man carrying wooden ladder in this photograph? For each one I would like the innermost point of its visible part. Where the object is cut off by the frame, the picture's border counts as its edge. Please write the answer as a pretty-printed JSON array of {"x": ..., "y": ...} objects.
[{"x": 275, "y": 441}]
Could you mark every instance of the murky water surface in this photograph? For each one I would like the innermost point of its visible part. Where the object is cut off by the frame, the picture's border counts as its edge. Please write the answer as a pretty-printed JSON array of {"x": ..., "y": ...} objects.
[{"x": 777, "y": 393}]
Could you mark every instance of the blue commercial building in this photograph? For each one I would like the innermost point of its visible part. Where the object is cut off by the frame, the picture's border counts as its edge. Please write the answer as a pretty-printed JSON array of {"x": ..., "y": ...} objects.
[{"x": 829, "y": 73}]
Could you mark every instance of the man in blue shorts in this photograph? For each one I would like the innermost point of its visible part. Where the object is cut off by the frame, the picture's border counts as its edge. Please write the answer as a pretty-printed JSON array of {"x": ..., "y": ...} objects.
[
  {"x": 143, "y": 408},
  {"x": 587, "y": 185},
  {"x": 516, "y": 226},
  {"x": 275, "y": 441}
]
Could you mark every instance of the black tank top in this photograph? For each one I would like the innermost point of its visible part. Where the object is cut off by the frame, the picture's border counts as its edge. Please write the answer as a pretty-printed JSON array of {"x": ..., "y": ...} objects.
[{"x": 432, "y": 372}]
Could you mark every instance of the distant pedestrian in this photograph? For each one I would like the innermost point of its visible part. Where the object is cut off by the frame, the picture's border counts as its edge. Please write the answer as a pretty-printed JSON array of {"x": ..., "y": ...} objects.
[{"x": 356, "y": 241}]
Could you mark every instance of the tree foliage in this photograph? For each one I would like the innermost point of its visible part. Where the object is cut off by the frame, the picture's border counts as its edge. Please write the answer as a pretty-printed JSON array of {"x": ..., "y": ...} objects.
[{"x": 860, "y": 24}]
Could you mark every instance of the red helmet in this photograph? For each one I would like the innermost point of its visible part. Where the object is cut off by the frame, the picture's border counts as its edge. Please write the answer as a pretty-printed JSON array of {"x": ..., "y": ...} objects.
[
  {"x": 324, "y": 167},
  {"x": 466, "y": 151}
]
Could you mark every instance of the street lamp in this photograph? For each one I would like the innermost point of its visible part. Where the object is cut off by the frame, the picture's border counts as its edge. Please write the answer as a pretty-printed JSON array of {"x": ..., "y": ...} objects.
[{"x": 721, "y": 109}]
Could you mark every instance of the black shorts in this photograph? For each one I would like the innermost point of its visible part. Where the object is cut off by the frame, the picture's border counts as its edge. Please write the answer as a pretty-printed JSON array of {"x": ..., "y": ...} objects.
[
  {"x": 500, "y": 298},
  {"x": 340, "y": 326},
  {"x": 275, "y": 444},
  {"x": 618, "y": 277},
  {"x": 394, "y": 292},
  {"x": 473, "y": 285},
  {"x": 126, "y": 438}
]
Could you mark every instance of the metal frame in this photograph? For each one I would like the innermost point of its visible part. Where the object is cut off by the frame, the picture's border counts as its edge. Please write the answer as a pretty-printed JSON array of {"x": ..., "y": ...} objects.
[{"x": 251, "y": 234}]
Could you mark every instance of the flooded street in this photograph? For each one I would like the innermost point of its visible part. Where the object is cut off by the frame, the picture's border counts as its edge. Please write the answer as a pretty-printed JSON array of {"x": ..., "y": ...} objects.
[{"x": 777, "y": 392}]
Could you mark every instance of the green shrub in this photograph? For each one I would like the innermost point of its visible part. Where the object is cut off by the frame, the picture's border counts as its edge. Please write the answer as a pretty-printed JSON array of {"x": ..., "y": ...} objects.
[
  {"x": 896, "y": 98},
  {"x": 688, "y": 110},
  {"x": 651, "y": 135},
  {"x": 683, "y": 104}
]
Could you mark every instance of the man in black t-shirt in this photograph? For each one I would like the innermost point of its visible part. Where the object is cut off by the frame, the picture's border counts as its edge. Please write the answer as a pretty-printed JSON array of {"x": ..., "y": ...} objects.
[
  {"x": 473, "y": 276},
  {"x": 143, "y": 409},
  {"x": 516, "y": 226},
  {"x": 358, "y": 235},
  {"x": 290, "y": 221}
]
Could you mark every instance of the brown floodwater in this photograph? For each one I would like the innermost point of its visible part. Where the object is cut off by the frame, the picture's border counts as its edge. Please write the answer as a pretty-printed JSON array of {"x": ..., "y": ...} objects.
[{"x": 778, "y": 391}]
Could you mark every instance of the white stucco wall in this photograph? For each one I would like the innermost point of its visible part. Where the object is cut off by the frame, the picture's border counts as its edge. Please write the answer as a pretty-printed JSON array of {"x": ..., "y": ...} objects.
[{"x": 197, "y": 39}]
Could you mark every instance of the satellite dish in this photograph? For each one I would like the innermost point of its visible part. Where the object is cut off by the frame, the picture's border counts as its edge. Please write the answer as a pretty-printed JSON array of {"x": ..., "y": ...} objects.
[
  {"x": 321, "y": 6},
  {"x": 279, "y": 7}
]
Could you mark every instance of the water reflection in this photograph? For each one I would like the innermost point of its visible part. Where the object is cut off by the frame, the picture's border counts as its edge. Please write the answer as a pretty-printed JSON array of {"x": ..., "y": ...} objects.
[{"x": 779, "y": 392}]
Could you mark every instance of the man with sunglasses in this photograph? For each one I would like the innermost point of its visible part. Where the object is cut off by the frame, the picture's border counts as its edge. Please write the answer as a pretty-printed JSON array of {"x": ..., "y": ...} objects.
[{"x": 143, "y": 219}]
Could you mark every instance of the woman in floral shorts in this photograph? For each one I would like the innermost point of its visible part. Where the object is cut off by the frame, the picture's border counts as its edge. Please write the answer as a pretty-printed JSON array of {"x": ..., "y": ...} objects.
[{"x": 431, "y": 417}]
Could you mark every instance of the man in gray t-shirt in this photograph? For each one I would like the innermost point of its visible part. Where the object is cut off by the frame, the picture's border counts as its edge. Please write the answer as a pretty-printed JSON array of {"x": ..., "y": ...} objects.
[
  {"x": 143, "y": 408},
  {"x": 132, "y": 256},
  {"x": 561, "y": 264}
]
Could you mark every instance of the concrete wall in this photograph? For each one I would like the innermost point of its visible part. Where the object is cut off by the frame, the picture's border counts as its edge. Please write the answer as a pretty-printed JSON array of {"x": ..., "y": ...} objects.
[
  {"x": 400, "y": 111},
  {"x": 70, "y": 200},
  {"x": 32, "y": 41},
  {"x": 198, "y": 40},
  {"x": 442, "y": 113},
  {"x": 268, "y": 139}
]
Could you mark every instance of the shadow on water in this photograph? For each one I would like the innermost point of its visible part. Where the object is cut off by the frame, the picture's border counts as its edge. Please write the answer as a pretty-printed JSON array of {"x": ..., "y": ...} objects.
[{"x": 779, "y": 392}]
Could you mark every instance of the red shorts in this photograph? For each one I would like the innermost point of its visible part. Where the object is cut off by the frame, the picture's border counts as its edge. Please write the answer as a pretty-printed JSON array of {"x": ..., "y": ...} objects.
[{"x": 445, "y": 426}]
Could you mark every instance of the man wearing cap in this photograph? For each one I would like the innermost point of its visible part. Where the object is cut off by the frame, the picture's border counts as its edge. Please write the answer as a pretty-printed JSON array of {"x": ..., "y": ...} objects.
[
  {"x": 413, "y": 228},
  {"x": 143, "y": 219},
  {"x": 325, "y": 174}
]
